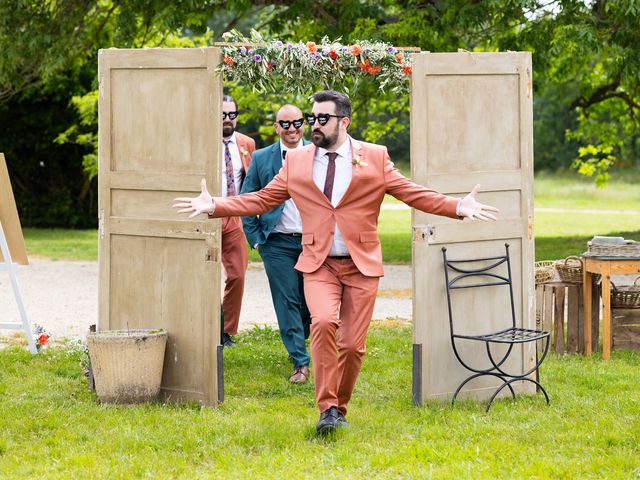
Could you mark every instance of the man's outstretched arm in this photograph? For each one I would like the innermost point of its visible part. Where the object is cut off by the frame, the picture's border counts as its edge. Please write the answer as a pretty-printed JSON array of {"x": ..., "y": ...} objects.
[{"x": 256, "y": 203}]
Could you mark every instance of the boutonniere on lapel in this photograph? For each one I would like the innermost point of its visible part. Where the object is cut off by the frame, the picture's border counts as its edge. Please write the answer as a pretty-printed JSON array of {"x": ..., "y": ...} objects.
[
  {"x": 244, "y": 152},
  {"x": 358, "y": 162}
]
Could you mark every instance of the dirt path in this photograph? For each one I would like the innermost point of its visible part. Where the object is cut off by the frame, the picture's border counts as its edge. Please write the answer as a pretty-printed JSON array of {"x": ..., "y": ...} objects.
[{"x": 63, "y": 296}]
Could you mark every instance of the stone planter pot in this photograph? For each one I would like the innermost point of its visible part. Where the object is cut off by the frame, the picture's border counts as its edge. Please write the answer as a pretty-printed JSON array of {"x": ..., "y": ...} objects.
[{"x": 127, "y": 364}]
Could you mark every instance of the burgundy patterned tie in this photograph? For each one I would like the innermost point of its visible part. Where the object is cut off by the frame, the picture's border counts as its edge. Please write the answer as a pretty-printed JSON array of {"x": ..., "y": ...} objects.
[
  {"x": 231, "y": 184},
  {"x": 331, "y": 174}
]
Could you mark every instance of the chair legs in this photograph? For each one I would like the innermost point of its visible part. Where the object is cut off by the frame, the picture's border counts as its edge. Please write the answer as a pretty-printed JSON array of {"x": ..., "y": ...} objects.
[
  {"x": 506, "y": 383},
  {"x": 507, "y": 379},
  {"x": 473, "y": 377}
]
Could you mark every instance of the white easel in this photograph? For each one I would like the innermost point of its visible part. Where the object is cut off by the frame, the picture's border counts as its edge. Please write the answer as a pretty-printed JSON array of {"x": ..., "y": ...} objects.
[{"x": 7, "y": 264}]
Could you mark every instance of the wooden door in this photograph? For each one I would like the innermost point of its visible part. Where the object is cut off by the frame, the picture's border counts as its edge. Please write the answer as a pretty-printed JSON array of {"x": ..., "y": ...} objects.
[
  {"x": 159, "y": 134},
  {"x": 471, "y": 122}
]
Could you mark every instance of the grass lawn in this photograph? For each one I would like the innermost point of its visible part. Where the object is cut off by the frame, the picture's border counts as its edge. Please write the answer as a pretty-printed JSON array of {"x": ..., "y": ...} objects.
[
  {"x": 560, "y": 234},
  {"x": 53, "y": 427},
  {"x": 61, "y": 244}
]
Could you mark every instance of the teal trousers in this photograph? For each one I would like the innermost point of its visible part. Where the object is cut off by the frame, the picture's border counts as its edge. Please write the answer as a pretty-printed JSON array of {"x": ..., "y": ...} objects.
[{"x": 279, "y": 255}]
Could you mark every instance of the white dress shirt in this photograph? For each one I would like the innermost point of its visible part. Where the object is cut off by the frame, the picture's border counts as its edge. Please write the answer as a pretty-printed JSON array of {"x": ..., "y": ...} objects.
[
  {"x": 340, "y": 185},
  {"x": 238, "y": 167},
  {"x": 290, "y": 221}
]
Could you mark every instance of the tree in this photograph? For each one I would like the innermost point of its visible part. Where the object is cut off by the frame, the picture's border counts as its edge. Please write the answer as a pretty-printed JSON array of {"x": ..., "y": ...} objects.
[
  {"x": 586, "y": 71},
  {"x": 48, "y": 63}
]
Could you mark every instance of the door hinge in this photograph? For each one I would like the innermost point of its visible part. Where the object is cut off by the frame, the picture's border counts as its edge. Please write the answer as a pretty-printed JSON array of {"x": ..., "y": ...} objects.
[
  {"x": 211, "y": 254},
  {"x": 530, "y": 227},
  {"x": 101, "y": 223}
]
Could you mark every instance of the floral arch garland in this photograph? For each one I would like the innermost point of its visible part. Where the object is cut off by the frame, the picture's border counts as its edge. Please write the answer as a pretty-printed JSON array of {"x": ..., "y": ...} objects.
[{"x": 276, "y": 66}]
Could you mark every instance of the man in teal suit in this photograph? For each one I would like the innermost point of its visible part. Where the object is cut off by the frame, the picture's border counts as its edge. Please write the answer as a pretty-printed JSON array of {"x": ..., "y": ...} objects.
[{"x": 277, "y": 235}]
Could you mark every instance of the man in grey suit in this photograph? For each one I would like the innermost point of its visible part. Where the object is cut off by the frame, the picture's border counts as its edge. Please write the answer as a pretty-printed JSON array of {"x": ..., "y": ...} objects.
[{"x": 277, "y": 235}]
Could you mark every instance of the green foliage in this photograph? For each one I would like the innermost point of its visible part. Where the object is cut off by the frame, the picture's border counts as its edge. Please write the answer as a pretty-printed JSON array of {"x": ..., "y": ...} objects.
[
  {"x": 48, "y": 181},
  {"x": 593, "y": 55},
  {"x": 85, "y": 132},
  {"x": 595, "y": 161},
  {"x": 586, "y": 64},
  {"x": 552, "y": 118}
]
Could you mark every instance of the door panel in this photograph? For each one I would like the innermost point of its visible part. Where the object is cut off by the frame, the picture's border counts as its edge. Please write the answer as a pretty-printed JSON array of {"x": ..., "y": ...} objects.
[
  {"x": 471, "y": 123},
  {"x": 159, "y": 134}
]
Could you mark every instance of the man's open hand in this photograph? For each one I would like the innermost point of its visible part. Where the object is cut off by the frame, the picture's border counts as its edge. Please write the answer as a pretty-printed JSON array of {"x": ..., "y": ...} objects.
[
  {"x": 474, "y": 210},
  {"x": 203, "y": 203}
]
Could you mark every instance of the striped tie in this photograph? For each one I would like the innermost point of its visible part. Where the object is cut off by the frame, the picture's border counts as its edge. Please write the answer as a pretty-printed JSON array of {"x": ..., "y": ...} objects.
[{"x": 231, "y": 184}]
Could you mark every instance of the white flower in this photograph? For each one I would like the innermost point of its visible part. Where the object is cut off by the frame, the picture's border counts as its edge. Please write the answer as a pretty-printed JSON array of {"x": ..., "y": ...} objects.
[{"x": 357, "y": 161}]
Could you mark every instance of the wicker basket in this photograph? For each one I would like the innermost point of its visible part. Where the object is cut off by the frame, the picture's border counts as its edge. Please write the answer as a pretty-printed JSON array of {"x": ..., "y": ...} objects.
[
  {"x": 628, "y": 250},
  {"x": 569, "y": 269},
  {"x": 544, "y": 271},
  {"x": 626, "y": 297}
]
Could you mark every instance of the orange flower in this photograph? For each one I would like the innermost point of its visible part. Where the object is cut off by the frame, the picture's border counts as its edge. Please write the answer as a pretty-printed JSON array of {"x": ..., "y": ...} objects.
[
  {"x": 333, "y": 54},
  {"x": 43, "y": 339},
  {"x": 311, "y": 47},
  {"x": 355, "y": 50},
  {"x": 228, "y": 60},
  {"x": 400, "y": 57},
  {"x": 407, "y": 70},
  {"x": 368, "y": 68}
]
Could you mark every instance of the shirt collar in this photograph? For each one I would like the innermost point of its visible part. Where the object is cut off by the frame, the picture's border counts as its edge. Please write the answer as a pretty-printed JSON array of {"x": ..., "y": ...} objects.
[
  {"x": 232, "y": 138},
  {"x": 284, "y": 148}
]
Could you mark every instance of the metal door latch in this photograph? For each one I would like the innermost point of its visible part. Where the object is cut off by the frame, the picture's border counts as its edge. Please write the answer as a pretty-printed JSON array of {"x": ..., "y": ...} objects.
[{"x": 424, "y": 234}]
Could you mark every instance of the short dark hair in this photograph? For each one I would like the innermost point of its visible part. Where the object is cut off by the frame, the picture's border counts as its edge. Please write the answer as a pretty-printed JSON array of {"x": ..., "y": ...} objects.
[
  {"x": 229, "y": 98},
  {"x": 342, "y": 102}
]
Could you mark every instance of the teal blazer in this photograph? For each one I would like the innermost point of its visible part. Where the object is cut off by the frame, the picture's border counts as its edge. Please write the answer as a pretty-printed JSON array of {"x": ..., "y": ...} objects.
[{"x": 265, "y": 164}]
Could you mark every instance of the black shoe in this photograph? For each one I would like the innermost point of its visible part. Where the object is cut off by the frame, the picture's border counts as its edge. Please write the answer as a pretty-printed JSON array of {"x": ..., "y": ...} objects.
[
  {"x": 227, "y": 341},
  {"x": 342, "y": 421},
  {"x": 328, "y": 421}
]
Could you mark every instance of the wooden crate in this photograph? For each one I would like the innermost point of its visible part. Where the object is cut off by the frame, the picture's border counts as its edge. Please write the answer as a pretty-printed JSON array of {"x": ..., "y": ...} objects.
[
  {"x": 626, "y": 328},
  {"x": 559, "y": 310}
]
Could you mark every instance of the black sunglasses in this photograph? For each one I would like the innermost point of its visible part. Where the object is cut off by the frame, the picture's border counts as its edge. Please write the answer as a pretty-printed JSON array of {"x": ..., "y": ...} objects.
[
  {"x": 287, "y": 123},
  {"x": 232, "y": 115},
  {"x": 322, "y": 118}
]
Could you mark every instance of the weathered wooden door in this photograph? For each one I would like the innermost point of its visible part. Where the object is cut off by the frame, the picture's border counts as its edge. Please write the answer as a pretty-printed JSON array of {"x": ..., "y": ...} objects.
[
  {"x": 159, "y": 134},
  {"x": 471, "y": 122}
]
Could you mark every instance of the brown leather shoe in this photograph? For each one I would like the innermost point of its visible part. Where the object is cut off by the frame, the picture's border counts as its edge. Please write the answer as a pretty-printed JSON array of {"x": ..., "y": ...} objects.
[{"x": 300, "y": 375}]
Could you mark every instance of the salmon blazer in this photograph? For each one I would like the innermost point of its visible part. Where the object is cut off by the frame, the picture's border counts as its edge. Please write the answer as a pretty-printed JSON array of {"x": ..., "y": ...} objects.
[
  {"x": 373, "y": 175},
  {"x": 246, "y": 146}
]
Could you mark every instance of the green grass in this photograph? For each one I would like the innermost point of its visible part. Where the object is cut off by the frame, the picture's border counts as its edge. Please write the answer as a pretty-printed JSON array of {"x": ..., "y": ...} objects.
[
  {"x": 558, "y": 234},
  {"x": 62, "y": 244},
  {"x": 567, "y": 190},
  {"x": 53, "y": 427}
]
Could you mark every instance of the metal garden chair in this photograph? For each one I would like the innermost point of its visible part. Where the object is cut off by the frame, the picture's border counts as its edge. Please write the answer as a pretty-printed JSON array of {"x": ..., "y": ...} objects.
[{"x": 485, "y": 273}]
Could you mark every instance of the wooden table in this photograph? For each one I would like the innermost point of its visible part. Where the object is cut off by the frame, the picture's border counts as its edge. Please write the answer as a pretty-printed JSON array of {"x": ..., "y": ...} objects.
[{"x": 605, "y": 266}]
